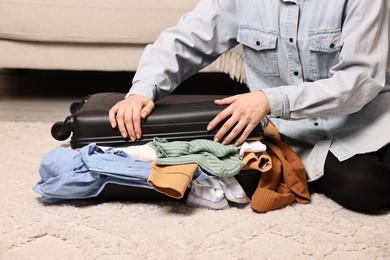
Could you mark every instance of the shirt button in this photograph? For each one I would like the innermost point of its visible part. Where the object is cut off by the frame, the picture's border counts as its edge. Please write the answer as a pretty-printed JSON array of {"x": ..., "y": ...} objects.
[
  {"x": 258, "y": 43},
  {"x": 331, "y": 45},
  {"x": 316, "y": 124},
  {"x": 296, "y": 73},
  {"x": 291, "y": 40}
]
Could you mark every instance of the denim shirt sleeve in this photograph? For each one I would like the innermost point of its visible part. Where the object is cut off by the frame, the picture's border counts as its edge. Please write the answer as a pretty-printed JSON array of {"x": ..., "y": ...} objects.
[
  {"x": 179, "y": 52},
  {"x": 356, "y": 79}
]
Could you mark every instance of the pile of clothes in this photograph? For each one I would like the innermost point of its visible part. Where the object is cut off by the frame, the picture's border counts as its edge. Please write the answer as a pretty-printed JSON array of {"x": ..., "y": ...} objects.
[{"x": 205, "y": 167}]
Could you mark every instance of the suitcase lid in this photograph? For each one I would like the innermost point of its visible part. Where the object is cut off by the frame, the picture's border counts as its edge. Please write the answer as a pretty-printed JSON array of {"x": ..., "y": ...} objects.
[{"x": 184, "y": 118}]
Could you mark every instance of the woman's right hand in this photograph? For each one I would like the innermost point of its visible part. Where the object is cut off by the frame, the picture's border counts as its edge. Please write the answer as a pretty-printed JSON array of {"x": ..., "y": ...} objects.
[{"x": 128, "y": 113}]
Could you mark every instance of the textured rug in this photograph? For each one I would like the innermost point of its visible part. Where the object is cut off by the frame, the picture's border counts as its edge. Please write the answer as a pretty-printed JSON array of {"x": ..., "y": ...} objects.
[{"x": 170, "y": 229}]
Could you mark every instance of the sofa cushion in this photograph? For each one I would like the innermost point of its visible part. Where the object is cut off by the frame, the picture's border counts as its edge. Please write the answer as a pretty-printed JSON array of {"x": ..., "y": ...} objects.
[{"x": 89, "y": 21}]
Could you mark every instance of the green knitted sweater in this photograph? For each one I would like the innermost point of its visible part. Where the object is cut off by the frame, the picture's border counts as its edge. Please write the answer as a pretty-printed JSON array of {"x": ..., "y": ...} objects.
[{"x": 215, "y": 158}]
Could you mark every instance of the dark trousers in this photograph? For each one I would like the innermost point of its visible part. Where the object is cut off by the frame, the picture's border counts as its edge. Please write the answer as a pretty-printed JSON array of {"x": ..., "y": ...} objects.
[{"x": 359, "y": 183}]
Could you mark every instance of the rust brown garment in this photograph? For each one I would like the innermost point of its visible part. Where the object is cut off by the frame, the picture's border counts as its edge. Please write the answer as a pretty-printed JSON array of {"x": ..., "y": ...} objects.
[
  {"x": 284, "y": 183},
  {"x": 261, "y": 162}
]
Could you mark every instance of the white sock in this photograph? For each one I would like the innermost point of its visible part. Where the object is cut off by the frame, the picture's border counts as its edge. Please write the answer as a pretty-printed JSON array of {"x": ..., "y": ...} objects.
[
  {"x": 140, "y": 152},
  {"x": 255, "y": 146}
]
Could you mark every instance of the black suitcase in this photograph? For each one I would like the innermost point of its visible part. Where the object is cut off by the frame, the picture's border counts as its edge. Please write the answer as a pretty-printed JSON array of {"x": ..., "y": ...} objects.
[{"x": 176, "y": 117}]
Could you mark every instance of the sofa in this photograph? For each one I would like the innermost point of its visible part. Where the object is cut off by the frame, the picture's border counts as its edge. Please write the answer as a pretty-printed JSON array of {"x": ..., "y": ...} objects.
[{"x": 93, "y": 35}]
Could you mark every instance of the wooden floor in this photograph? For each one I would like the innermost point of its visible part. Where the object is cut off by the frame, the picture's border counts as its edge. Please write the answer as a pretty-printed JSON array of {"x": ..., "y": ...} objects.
[{"x": 45, "y": 96}]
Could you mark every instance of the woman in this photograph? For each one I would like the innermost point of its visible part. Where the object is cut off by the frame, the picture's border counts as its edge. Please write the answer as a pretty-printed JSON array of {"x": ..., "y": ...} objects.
[{"x": 317, "y": 69}]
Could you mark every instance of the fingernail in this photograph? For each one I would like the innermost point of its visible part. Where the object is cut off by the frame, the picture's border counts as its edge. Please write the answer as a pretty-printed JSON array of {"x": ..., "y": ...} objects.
[
  {"x": 138, "y": 136},
  {"x": 208, "y": 127},
  {"x": 124, "y": 134},
  {"x": 132, "y": 138},
  {"x": 216, "y": 139},
  {"x": 224, "y": 142},
  {"x": 112, "y": 124}
]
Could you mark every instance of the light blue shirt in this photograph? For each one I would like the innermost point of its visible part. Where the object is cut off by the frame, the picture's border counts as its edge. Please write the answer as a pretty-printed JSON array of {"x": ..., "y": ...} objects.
[
  {"x": 80, "y": 174},
  {"x": 321, "y": 64}
]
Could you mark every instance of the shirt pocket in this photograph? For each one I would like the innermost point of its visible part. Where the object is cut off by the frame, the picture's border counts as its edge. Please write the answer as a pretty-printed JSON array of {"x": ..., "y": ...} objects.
[
  {"x": 324, "y": 47},
  {"x": 260, "y": 50}
]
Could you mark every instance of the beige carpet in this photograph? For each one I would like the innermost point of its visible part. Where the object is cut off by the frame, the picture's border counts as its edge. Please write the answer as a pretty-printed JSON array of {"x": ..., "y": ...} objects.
[{"x": 166, "y": 230}]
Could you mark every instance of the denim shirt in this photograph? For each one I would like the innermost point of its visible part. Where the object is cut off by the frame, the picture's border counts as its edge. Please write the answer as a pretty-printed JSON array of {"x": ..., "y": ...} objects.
[
  {"x": 321, "y": 64},
  {"x": 79, "y": 174}
]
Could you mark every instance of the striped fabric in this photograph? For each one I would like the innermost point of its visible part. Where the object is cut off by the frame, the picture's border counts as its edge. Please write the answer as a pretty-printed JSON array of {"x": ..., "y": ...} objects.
[{"x": 215, "y": 158}]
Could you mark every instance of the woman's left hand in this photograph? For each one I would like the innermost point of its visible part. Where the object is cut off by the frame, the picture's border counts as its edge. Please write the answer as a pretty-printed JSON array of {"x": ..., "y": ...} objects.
[{"x": 243, "y": 114}]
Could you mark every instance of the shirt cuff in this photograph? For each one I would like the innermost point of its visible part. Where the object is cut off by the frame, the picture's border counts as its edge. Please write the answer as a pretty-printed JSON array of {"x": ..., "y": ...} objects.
[
  {"x": 143, "y": 88},
  {"x": 279, "y": 103}
]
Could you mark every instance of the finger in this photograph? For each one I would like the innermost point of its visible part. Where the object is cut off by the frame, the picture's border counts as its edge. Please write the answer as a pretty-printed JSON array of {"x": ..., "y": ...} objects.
[
  {"x": 248, "y": 129},
  {"x": 235, "y": 130},
  {"x": 128, "y": 118},
  {"x": 111, "y": 116},
  {"x": 226, "y": 127},
  {"x": 219, "y": 118},
  {"x": 119, "y": 119},
  {"x": 145, "y": 112},
  {"x": 136, "y": 120},
  {"x": 226, "y": 101}
]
